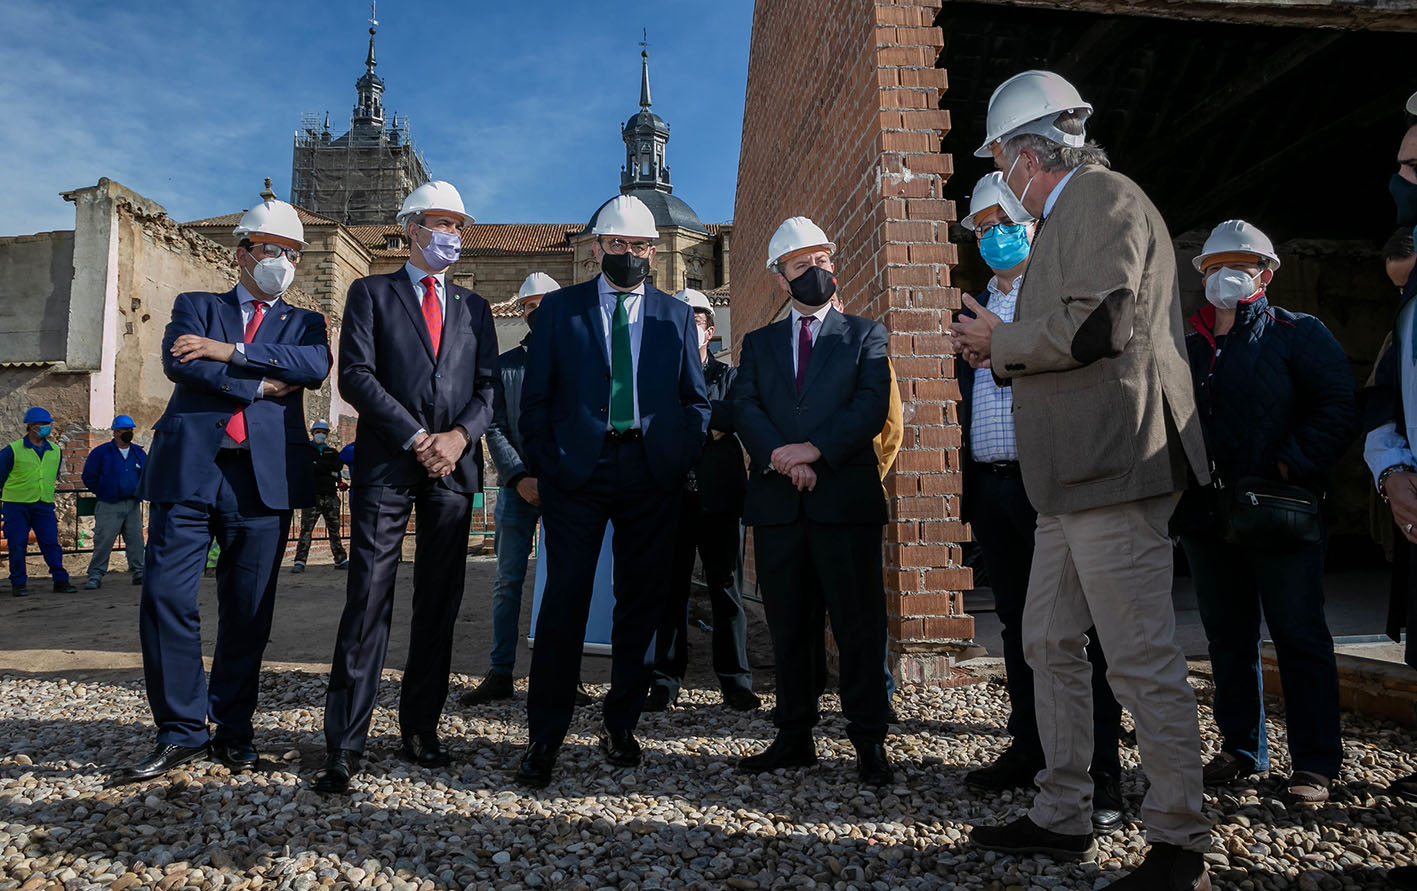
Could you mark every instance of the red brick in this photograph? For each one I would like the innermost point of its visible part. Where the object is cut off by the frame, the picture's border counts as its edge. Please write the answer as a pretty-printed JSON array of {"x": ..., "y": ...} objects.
[
  {"x": 956, "y": 578},
  {"x": 901, "y": 231},
  {"x": 945, "y": 530},
  {"x": 929, "y": 162},
  {"x": 904, "y": 57},
  {"x": 934, "y": 390},
  {"x": 944, "y": 483},
  {"x": 924, "y": 77},
  {"x": 920, "y": 461},
  {"x": 928, "y": 209},
  {"x": 932, "y": 253},
  {"x": 926, "y": 119},
  {"x": 909, "y": 141}
]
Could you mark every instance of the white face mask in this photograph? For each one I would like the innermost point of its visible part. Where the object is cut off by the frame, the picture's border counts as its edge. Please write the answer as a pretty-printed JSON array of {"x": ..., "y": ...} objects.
[
  {"x": 1226, "y": 287},
  {"x": 1011, "y": 173},
  {"x": 703, "y": 338},
  {"x": 273, "y": 275}
]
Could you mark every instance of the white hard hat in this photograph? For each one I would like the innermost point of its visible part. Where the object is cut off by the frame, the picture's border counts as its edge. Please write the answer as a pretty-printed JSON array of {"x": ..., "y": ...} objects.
[
  {"x": 1029, "y": 103},
  {"x": 537, "y": 284},
  {"x": 992, "y": 191},
  {"x": 1412, "y": 104},
  {"x": 270, "y": 217},
  {"x": 432, "y": 196},
  {"x": 1237, "y": 237},
  {"x": 626, "y": 216},
  {"x": 697, "y": 300},
  {"x": 793, "y": 235},
  {"x": 321, "y": 424}
]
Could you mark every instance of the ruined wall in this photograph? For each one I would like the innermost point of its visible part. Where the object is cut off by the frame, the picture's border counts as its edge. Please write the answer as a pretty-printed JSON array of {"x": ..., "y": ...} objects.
[
  {"x": 842, "y": 123},
  {"x": 35, "y": 272}
]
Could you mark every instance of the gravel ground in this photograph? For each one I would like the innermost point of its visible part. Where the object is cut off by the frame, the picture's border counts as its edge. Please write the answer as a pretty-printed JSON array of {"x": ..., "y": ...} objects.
[{"x": 682, "y": 819}]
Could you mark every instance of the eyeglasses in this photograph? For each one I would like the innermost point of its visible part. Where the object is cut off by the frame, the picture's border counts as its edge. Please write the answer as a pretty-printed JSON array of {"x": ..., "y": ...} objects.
[
  {"x": 266, "y": 250},
  {"x": 620, "y": 246}
]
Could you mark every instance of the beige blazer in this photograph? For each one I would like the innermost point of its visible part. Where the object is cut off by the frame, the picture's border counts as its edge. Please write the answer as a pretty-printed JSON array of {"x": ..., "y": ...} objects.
[{"x": 1103, "y": 405}]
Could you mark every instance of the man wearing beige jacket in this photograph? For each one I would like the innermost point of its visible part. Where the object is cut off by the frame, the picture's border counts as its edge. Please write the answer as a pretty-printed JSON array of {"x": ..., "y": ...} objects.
[{"x": 1107, "y": 434}]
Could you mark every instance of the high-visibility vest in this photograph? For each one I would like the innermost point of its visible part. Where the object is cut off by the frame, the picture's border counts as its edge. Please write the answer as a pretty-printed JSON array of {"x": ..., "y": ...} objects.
[{"x": 32, "y": 478}]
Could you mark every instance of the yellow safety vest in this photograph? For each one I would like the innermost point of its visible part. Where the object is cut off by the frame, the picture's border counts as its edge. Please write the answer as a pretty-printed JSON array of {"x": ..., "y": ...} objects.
[{"x": 33, "y": 476}]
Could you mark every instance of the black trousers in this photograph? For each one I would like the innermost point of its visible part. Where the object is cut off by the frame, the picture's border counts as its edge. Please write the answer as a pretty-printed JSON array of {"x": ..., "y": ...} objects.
[
  {"x": 802, "y": 567},
  {"x": 714, "y": 537},
  {"x": 378, "y": 518},
  {"x": 621, "y": 491},
  {"x": 1003, "y": 521}
]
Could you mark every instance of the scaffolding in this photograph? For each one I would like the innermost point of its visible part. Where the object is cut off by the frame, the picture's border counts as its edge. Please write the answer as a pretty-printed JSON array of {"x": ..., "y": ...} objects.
[{"x": 360, "y": 178}]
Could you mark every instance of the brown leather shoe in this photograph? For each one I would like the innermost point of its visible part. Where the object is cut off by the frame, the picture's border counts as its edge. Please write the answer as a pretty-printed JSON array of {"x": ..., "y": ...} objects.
[{"x": 1307, "y": 787}]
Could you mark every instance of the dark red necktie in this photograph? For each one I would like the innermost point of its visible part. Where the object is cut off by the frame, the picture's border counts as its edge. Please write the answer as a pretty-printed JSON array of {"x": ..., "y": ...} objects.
[
  {"x": 804, "y": 350},
  {"x": 236, "y": 427},
  {"x": 432, "y": 312}
]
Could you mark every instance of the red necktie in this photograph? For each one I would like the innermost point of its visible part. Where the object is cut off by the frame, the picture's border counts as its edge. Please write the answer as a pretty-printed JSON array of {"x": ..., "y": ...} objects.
[
  {"x": 236, "y": 427},
  {"x": 804, "y": 350},
  {"x": 432, "y": 312}
]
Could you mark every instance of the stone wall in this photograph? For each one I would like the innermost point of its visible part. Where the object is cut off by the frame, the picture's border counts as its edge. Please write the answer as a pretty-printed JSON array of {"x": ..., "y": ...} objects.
[
  {"x": 842, "y": 124},
  {"x": 35, "y": 272}
]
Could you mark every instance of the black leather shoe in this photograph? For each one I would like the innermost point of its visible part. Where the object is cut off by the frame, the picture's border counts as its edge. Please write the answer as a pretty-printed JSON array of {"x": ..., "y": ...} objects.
[
  {"x": 64, "y": 587},
  {"x": 340, "y": 766},
  {"x": 741, "y": 699},
  {"x": 1108, "y": 811},
  {"x": 538, "y": 761},
  {"x": 1012, "y": 770},
  {"x": 620, "y": 747},
  {"x": 1023, "y": 836},
  {"x": 19, "y": 591},
  {"x": 788, "y": 750},
  {"x": 583, "y": 696},
  {"x": 873, "y": 766},
  {"x": 424, "y": 749},
  {"x": 495, "y": 685},
  {"x": 1167, "y": 868},
  {"x": 659, "y": 699},
  {"x": 235, "y": 755},
  {"x": 159, "y": 761}
]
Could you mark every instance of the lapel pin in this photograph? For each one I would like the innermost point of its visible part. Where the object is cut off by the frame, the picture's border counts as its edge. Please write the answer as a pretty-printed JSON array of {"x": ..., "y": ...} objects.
[{"x": 282, "y": 317}]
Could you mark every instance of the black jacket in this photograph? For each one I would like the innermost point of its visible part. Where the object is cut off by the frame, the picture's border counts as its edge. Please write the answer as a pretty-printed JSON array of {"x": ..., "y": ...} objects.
[
  {"x": 325, "y": 465},
  {"x": 1281, "y": 389},
  {"x": 721, "y": 477},
  {"x": 842, "y": 407},
  {"x": 504, "y": 437}
]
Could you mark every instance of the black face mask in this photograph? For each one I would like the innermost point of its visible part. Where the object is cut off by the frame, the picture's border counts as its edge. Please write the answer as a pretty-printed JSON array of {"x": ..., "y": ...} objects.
[
  {"x": 125, "y": 437},
  {"x": 813, "y": 287},
  {"x": 624, "y": 270},
  {"x": 531, "y": 320},
  {"x": 1404, "y": 195}
]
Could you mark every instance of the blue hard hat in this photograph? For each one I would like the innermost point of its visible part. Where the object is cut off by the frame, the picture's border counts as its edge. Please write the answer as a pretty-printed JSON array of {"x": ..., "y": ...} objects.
[
  {"x": 123, "y": 422},
  {"x": 38, "y": 415}
]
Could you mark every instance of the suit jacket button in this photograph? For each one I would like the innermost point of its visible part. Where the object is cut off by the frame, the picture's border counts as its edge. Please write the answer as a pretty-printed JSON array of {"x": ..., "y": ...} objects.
[
  {"x": 275, "y": 361},
  {"x": 221, "y": 423},
  {"x": 226, "y": 388},
  {"x": 438, "y": 375}
]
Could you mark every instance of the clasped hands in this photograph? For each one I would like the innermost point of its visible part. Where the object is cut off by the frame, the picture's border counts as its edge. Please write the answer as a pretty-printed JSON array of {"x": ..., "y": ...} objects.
[
  {"x": 194, "y": 346},
  {"x": 795, "y": 462},
  {"x": 439, "y": 452},
  {"x": 973, "y": 337}
]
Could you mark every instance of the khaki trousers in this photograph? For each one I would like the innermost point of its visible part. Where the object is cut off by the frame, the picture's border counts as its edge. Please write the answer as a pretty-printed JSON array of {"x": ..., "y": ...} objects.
[{"x": 1111, "y": 567}]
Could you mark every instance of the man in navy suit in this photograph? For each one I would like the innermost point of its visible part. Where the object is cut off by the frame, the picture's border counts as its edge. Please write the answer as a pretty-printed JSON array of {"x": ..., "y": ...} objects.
[
  {"x": 614, "y": 413},
  {"x": 813, "y": 391},
  {"x": 227, "y": 462},
  {"x": 418, "y": 361}
]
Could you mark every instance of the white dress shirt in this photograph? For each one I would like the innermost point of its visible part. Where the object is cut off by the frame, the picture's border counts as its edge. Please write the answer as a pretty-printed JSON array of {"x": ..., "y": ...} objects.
[
  {"x": 814, "y": 327},
  {"x": 634, "y": 306}
]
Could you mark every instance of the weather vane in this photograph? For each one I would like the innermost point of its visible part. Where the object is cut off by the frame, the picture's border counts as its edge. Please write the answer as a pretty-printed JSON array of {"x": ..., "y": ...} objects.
[
  {"x": 644, "y": 41},
  {"x": 372, "y": 20}
]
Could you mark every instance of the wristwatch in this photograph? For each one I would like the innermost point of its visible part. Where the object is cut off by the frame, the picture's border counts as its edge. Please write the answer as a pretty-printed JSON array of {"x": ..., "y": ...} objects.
[{"x": 1382, "y": 478}]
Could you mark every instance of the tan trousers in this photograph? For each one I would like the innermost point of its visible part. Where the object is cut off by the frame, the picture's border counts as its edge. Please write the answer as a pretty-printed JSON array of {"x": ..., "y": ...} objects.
[{"x": 1111, "y": 567}]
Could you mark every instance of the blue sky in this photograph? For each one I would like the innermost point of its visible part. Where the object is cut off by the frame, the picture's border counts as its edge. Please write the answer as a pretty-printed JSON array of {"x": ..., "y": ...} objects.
[{"x": 517, "y": 104}]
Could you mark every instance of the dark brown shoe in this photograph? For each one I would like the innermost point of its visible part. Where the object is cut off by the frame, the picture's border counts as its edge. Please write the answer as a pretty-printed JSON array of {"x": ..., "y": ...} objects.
[
  {"x": 1023, "y": 836},
  {"x": 1167, "y": 868}
]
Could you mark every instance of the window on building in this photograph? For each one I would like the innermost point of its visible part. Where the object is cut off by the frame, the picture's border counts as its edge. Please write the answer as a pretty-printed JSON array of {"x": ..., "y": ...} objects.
[{"x": 695, "y": 283}]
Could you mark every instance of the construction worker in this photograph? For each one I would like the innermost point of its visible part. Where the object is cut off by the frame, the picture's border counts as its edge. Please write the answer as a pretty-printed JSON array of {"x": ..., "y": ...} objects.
[
  {"x": 29, "y": 468},
  {"x": 112, "y": 472},
  {"x": 325, "y": 465}
]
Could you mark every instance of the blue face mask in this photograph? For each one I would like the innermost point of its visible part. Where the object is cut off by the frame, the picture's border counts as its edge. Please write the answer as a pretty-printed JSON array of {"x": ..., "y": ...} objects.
[
  {"x": 1004, "y": 246},
  {"x": 444, "y": 248},
  {"x": 45, "y": 431}
]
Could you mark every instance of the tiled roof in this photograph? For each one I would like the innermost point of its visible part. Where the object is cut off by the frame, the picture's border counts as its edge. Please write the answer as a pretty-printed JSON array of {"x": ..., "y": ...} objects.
[
  {"x": 507, "y": 309},
  {"x": 719, "y": 296},
  {"x": 482, "y": 238},
  {"x": 306, "y": 219}
]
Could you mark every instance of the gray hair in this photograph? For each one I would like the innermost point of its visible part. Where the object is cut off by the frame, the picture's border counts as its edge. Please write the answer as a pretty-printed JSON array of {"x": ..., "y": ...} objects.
[{"x": 1053, "y": 156}]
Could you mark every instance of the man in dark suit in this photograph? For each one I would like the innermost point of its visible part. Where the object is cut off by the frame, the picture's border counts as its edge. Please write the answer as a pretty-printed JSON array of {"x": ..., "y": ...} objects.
[
  {"x": 711, "y": 507},
  {"x": 614, "y": 414},
  {"x": 228, "y": 463},
  {"x": 418, "y": 361},
  {"x": 812, "y": 393}
]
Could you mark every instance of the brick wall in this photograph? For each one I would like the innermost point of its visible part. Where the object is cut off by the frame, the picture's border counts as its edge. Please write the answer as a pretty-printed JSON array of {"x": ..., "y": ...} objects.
[{"x": 842, "y": 123}]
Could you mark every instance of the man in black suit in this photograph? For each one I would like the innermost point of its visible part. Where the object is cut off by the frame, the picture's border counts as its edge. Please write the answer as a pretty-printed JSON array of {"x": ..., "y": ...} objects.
[
  {"x": 418, "y": 361},
  {"x": 614, "y": 414},
  {"x": 708, "y": 524},
  {"x": 813, "y": 391}
]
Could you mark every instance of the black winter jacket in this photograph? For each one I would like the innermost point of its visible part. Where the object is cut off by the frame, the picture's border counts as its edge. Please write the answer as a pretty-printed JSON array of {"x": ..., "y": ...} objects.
[{"x": 1281, "y": 389}]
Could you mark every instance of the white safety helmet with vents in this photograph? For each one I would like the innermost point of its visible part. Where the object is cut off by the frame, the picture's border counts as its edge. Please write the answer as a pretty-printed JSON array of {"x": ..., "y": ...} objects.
[
  {"x": 537, "y": 284},
  {"x": 1236, "y": 240},
  {"x": 697, "y": 300},
  {"x": 794, "y": 235},
  {"x": 433, "y": 196},
  {"x": 991, "y": 192},
  {"x": 626, "y": 216},
  {"x": 271, "y": 217},
  {"x": 1029, "y": 103}
]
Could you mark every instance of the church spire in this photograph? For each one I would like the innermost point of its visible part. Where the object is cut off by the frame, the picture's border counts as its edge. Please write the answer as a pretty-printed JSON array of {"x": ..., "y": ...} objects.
[
  {"x": 644, "y": 72},
  {"x": 645, "y": 136},
  {"x": 370, "y": 108}
]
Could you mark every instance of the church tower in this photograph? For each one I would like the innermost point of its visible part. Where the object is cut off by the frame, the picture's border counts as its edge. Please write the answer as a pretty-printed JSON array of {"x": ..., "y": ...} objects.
[{"x": 645, "y": 136}]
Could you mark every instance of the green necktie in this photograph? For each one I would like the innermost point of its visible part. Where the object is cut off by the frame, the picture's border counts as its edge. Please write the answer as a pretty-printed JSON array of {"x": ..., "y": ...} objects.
[{"x": 622, "y": 370}]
